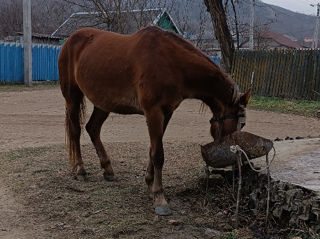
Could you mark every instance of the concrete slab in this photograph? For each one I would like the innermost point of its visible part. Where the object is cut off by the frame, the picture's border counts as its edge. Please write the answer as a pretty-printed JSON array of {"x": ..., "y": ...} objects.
[{"x": 297, "y": 162}]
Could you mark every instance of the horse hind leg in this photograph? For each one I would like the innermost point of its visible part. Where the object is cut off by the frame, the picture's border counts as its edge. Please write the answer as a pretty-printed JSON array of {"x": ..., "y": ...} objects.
[
  {"x": 93, "y": 128},
  {"x": 74, "y": 119}
]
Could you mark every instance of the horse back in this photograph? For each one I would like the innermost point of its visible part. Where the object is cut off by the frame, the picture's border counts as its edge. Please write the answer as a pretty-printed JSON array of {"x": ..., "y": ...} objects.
[{"x": 128, "y": 72}]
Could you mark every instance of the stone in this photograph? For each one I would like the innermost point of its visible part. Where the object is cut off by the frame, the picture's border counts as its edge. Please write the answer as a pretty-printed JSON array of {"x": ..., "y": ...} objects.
[
  {"x": 163, "y": 211},
  {"x": 174, "y": 222},
  {"x": 211, "y": 233},
  {"x": 156, "y": 218}
]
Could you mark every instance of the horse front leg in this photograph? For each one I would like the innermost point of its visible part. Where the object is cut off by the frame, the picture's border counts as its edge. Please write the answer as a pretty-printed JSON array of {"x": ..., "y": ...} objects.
[
  {"x": 150, "y": 169},
  {"x": 155, "y": 122},
  {"x": 150, "y": 173}
]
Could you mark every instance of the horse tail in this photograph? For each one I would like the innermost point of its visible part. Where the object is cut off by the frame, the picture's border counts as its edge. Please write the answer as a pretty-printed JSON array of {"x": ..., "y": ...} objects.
[{"x": 74, "y": 103}]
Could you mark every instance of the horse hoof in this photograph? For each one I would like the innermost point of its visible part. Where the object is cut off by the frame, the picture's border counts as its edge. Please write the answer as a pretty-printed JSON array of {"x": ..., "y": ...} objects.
[
  {"x": 81, "y": 172},
  {"x": 109, "y": 177},
  {"x": 81, "y": 178},
  {"x": 162, "y": 211}
]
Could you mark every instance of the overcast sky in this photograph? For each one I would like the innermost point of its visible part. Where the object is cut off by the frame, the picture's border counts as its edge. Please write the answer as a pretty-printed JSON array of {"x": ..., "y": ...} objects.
[{"x": 302, "y": 6}]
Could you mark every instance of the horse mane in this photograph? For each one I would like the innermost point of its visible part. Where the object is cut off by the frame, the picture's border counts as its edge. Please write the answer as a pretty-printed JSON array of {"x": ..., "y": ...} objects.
[
  {"x": 179, "y": 40},
  {"x": 184, "y": 43},
  {"x": 189, "y": 46}
]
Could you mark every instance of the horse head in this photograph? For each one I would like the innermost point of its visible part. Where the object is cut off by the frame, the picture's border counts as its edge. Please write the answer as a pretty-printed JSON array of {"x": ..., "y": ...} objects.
[{"x": 231, "y": 117}]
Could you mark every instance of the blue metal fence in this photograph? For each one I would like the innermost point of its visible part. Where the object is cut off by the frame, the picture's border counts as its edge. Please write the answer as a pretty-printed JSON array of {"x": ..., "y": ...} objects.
[
  {"x": 44, "y": 62},
  {"x": 215, "y": 60}
]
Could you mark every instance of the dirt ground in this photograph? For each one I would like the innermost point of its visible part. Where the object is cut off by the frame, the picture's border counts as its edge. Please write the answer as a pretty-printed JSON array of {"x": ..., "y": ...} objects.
[
  {"x": 36, "y": 118},
  {"x": 39, "y": 197}
]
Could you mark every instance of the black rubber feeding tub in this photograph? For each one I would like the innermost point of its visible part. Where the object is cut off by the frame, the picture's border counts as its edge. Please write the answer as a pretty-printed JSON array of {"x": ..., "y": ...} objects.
[{"x": 219, "y": 155}]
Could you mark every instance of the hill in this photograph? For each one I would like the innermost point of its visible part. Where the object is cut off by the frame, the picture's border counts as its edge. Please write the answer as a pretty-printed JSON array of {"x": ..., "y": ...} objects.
[
  {"x": 272, "y": 17},
  {"x": 190, "y": 16}
]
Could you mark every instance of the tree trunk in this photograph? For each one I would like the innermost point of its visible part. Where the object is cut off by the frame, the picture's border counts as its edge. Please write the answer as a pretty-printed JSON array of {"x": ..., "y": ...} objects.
[{"x": 222, "y": 32}]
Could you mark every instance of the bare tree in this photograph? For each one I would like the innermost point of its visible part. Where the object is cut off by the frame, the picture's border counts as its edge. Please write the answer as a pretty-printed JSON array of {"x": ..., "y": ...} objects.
[
  {"x": 46, "y": 16},
  {"x": 236, "y": 23},
  {"x": 193, "y": 26},
  {"x": 239, "y": 25},
  {"x": 10, "y": 17},
  {"x": 261, "y": 42},
  {"x": 222, "y": 32},
  {"x": 118, "y": 15}
]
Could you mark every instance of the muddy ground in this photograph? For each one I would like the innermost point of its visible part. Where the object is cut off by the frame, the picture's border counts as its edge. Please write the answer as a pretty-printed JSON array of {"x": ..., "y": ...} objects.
[{"x": 39, "y": 197}]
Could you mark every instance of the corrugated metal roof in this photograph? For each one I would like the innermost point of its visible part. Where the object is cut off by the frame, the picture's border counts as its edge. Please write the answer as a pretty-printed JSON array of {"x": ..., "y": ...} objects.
[
  {"x": 133, "y": 20},
  {"x": 281, "y": 39}
]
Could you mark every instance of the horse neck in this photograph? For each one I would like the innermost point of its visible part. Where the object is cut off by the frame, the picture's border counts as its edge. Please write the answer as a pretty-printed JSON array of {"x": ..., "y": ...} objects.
[{"x": 205, "y": 81}]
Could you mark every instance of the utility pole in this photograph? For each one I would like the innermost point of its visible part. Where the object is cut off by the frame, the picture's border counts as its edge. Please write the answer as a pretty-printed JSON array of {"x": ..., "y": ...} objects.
[
  {"x": 316, "y": 28},
  {"x": 251, "y": 43},
  {"x": 27, "y": 42}
]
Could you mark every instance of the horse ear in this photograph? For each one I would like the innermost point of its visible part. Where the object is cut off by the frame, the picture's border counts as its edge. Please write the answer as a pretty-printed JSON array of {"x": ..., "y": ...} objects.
[
  {"x": 235, "y": 93},
  {"x": 244, "y": 99}
]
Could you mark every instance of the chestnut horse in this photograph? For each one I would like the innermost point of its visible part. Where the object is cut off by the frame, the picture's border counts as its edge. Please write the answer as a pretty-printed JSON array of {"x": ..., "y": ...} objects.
[{"x": 150, "y": 73}]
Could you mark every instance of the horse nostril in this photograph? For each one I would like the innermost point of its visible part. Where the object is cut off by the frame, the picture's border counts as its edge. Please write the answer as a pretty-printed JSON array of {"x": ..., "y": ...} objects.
[{"x": 242, "y": 125}]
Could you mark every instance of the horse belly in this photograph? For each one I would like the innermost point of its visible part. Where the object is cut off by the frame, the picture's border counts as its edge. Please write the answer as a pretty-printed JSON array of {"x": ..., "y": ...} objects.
[
  {"x": 117, "y": 100},
  {"x": 127, "y": 104}
]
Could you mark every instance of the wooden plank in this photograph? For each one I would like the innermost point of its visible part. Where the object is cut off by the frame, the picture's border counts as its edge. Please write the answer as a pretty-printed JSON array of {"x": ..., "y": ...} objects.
[
  {"x": 282, "y": 71},
  {"x": 261, "y": 71},
  {"x": 272, "y": 73},
  {"x": 306, "y": 73},
  {"x": 299, "y": 74},
  {"x": 243, "y": 69},
  {"x": 265, "y": 73},
  {"x": 277, "y": 74},
  {"x": 306, "y": 70},
  {"x": 238, "y": 73},
  {"x": 307, "y": 94},
  {"x": 317, "y": 77},
  {"x": 312, "y": 83},
  {"x": 292, "y": 76},
  {"x": 255, "y": 69},
  {"x": 286, "y": 75},
  {"x": 269, "y": 74},
  {"x": 246, "y": 69}
]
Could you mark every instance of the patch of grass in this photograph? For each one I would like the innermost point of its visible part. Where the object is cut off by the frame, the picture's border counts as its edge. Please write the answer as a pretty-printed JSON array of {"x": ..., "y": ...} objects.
[
  {"x": 230, "y": 235},
  {"x": 64, "y": 205},
  {"x": 298, "y": 107},
  {"x": 303, "y": 236},
  {"x": 26, "y": 152},
  {"x": 45, "y": 85}
]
